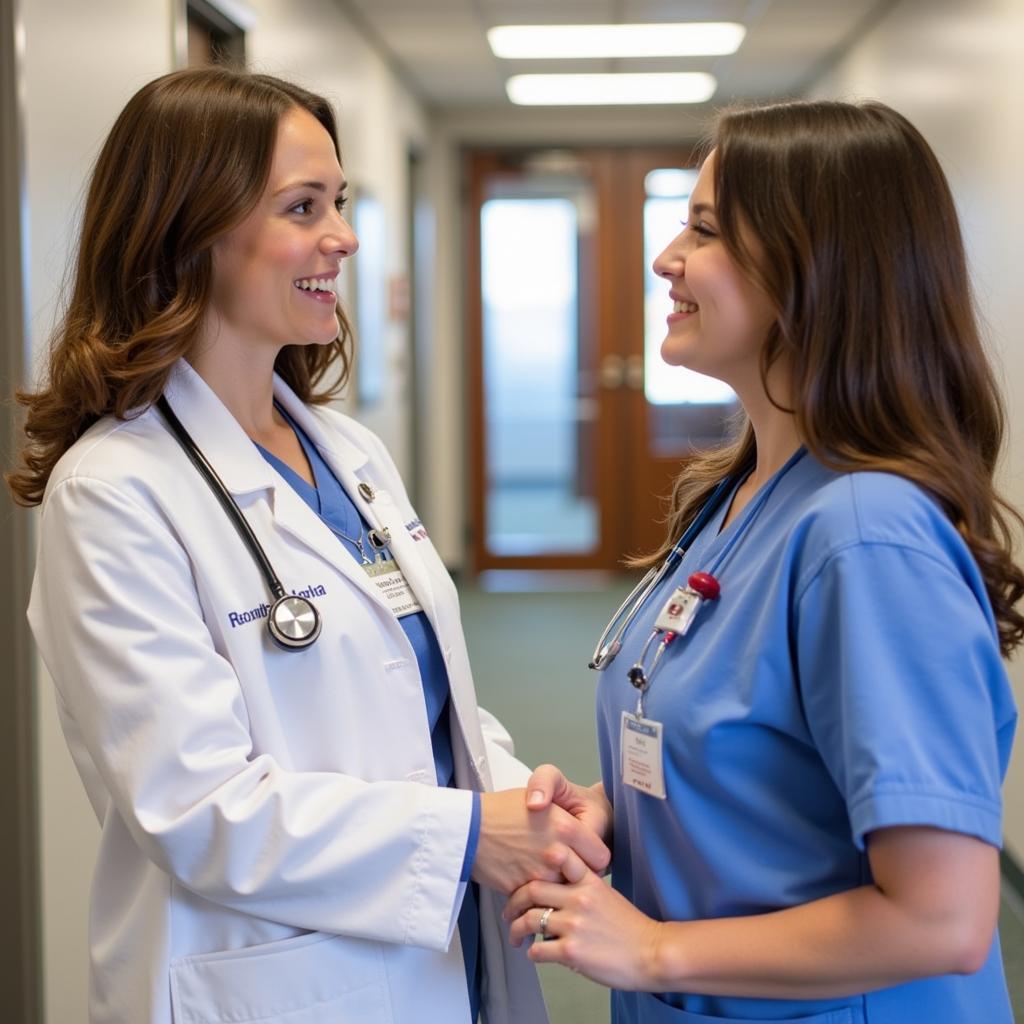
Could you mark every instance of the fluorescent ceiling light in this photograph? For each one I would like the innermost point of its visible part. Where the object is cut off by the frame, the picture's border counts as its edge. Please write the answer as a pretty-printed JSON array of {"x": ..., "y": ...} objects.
[
  {"x": 558, "y": 90},
  {"x": 659, "y": 40}
]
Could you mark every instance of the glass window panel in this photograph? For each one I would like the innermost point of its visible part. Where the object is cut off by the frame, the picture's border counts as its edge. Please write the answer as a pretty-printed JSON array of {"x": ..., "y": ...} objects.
[{"x": 535, "y": 419}]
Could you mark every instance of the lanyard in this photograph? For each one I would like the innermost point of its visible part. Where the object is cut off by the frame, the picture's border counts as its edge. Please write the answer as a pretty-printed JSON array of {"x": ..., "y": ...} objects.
[
  {"x": 682, "y": 607},
  {"x": 610, "y": 641}
]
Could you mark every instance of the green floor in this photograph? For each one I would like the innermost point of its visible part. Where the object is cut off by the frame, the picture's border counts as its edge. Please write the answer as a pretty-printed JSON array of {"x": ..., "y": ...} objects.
[{"x": 529, "y": 653}]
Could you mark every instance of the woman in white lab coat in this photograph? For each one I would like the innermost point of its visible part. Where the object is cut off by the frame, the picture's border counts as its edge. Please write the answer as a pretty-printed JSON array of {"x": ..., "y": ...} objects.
[{"x": 292, "y": 825}]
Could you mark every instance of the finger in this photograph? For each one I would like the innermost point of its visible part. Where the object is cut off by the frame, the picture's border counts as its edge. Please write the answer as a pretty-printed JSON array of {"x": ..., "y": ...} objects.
[
  {"x": 545, "y": 781},
  {"x": 552, "y": 952},
  {"x": 519, "y": 930},
  {"x": 590, "y": 847},
  {"x": 573, "y": 868},
  {"x": 534, "y": 894},
  {"x": 530, "y": 924}
]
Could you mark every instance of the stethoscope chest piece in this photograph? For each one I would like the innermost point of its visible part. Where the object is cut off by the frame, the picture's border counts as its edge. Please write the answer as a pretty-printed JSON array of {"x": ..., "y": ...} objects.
[{"x": 293, "y": 622}]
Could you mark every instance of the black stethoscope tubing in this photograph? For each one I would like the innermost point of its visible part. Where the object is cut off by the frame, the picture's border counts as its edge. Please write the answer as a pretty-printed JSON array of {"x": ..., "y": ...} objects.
[{"x": 293, "y": 621}]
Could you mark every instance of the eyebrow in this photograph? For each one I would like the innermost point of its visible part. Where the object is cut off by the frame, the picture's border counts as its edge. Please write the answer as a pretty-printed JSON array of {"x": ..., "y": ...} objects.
[
  {"x": 319, "y": 186},
  {"x": 702, "y": 208}
]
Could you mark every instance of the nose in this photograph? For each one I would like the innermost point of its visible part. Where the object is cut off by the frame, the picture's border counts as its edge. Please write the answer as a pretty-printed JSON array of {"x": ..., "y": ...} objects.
[
  {"x": 339, "y": 240},
  {"x": 671, "y": 261}
]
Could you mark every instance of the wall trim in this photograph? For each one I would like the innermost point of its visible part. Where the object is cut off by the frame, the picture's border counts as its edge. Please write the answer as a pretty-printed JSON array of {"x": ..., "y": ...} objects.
[
  {"x": 1012, "y": 872},
  {"x": 21, "y": 982}
]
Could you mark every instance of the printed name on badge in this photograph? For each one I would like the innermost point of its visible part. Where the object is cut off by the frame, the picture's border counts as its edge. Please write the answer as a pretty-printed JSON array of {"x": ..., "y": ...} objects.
[
  {"x": 640, "y": 742},
  {"x": 394, "y": 587}
]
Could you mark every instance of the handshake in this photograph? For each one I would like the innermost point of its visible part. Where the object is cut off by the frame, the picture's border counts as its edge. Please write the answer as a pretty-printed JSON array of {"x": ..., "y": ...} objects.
[{"x": 553, "y": 830}]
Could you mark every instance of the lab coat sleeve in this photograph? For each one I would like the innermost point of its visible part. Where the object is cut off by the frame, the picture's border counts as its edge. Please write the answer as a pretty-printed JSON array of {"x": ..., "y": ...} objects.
[{"x": 161, "y": 716}]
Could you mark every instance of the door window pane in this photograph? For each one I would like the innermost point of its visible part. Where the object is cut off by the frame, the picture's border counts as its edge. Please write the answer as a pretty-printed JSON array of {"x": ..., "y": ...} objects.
[{"x": 538, "y": 497}]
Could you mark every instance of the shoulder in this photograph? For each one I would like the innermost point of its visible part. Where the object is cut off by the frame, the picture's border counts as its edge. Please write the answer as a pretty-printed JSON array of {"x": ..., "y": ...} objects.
[
  {"x": 847, "y": 513},
  {"x": 872, "y": 508},
  {"x": 121, "y": 454}
]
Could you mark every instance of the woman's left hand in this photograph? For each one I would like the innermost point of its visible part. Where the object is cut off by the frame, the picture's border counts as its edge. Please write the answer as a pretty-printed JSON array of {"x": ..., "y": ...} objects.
[{"x": 591, "y": 928}]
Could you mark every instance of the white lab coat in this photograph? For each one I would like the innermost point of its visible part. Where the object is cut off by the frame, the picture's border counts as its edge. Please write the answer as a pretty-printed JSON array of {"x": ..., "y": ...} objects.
[{"x": 275, "y": 847}]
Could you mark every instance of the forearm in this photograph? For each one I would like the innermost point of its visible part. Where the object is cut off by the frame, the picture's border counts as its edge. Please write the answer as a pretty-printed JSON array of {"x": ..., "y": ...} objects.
[{"x": 851, "y": 942}]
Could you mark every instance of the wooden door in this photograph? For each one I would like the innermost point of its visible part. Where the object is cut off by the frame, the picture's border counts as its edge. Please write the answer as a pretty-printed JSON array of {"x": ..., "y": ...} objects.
[{"x": 576, "y": 428}]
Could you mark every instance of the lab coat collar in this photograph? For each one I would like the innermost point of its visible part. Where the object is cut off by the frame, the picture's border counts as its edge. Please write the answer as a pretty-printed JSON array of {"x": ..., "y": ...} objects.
[{"x": 226, "y": 445}]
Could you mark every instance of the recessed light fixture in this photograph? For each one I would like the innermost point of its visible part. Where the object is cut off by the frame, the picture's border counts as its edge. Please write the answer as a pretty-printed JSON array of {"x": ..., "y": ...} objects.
[
  {"x": 679, "y": 39},
  {"x": 611, "y": 89}
]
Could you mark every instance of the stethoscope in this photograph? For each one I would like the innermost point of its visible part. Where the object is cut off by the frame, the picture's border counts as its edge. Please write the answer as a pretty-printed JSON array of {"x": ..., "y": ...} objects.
[
  {"x": 606, "y": 648},
  {"x": 706, "y": 586},
  {"x": 293, "y": 621}
]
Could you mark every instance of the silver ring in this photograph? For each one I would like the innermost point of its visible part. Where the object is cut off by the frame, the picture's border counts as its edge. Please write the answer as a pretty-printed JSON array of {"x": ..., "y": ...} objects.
[{"x": 545, "y": 914}]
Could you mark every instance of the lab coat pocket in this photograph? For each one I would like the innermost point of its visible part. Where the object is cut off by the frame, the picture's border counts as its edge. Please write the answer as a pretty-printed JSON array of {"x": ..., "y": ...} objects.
[
  {"x": 653, "y": 1010},
  {"x": 309, "y": 979}
]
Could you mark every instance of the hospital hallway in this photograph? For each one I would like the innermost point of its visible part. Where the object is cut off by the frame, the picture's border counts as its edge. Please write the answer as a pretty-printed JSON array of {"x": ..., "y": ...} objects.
[
  {"x": 529, "y": 651},
  {"x": 507, "y": 323}
]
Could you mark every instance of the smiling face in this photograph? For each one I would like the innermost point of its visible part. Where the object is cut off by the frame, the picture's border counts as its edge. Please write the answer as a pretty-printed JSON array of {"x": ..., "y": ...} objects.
[
  {"x": 720, "y": 318},
  {"x": 274, "y": 274}
]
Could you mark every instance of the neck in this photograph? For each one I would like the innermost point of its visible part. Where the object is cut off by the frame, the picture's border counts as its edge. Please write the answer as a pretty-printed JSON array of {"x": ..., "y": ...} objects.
[
  {"x": 775, "y": 432},
  {"x": 242, "y": 377},
  {"x": 777, "y": 439}
]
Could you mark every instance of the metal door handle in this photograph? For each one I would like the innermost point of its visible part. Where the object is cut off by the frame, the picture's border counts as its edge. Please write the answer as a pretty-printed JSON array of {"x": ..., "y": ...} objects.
[
  {"x": 635, "y": 373},
  {"x": 612, "y": 373}
]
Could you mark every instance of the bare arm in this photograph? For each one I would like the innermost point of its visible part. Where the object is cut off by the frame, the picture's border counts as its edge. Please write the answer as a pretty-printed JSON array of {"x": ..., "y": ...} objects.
[{"x": 931, "y": 910}]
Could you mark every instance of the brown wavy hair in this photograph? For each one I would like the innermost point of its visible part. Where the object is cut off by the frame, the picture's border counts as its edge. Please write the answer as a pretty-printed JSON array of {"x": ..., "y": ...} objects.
[
  {"x": 861, "y": 255},
  {"x": 187, "y": 159}
]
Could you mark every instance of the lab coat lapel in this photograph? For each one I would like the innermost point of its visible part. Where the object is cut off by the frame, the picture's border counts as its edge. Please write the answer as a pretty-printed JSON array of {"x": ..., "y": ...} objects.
[
  {"x": 296, "y": 518},
  {"x": 245, "y": 472},
  {"x": 351, "y": 466},
  {"x": 390, "y": 516}
]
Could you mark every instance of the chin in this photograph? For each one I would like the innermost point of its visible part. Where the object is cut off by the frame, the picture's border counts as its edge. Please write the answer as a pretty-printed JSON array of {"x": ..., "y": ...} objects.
[
  {"x": 675, "y": 354},
  {"x": 323, "y": 334}
]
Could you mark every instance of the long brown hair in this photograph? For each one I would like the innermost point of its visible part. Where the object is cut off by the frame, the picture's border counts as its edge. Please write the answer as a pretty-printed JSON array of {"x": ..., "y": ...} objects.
[
  {"x": 186, "y": 160},
  {"x": 860, "y": 254}
]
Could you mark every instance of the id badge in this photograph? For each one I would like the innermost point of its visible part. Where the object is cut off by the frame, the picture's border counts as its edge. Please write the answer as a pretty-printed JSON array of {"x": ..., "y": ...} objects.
[
  {"x": 678, "y": 613},
  {"x": 389, "y": 579},
  {"x": 642, "y": 766}
]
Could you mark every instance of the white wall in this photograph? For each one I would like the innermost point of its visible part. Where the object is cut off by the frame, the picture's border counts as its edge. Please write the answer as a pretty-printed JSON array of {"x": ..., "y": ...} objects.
[
  {"x": 957, "y": 71},
  {"x": 83, "y": 61}
]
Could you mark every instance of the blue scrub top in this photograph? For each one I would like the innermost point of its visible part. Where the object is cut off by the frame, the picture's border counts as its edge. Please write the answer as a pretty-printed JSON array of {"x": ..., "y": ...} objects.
[
  {"x": 848, "y": 678},
  {"x": 332, "y": 504}
]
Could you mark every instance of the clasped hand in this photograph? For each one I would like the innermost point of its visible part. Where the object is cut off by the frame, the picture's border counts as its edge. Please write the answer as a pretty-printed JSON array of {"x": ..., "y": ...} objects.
[
  {"x": 518, "y": 844},
  {"x": 592, "y": 928}
]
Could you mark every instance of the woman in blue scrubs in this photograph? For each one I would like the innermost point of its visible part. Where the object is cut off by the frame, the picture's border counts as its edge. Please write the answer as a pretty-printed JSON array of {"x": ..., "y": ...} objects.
[{"x": 804, "y": 733}]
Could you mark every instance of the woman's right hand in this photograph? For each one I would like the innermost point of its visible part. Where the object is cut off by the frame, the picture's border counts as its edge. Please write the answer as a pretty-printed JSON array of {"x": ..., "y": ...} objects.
[
  {"x": 518, "y": 845},
  {"x": 588, "y": 804}
]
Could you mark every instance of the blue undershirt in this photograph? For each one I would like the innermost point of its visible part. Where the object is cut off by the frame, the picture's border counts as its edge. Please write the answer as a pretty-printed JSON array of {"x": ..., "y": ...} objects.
[{"x": 332, "y": 504}]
